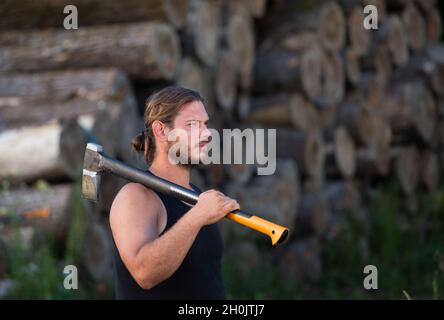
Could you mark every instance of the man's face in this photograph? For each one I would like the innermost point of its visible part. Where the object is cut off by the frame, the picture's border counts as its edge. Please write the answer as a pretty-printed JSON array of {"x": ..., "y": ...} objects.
[{"x": 192, "y": 121}]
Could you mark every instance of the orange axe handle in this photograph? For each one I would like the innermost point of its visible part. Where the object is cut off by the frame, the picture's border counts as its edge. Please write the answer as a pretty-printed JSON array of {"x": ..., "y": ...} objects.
[{"x": 276, "y": 232}]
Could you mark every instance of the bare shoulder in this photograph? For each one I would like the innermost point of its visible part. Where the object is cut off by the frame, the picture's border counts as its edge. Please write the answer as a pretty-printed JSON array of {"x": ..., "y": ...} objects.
[
  {"x": 134, "y": 218},
  {"x": 134, "y": 190},
  {"x": 134, "y": 201}
]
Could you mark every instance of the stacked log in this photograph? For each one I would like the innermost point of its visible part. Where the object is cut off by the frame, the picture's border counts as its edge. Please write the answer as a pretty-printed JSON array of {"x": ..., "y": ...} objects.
[
  {"x": 49, "y": 117},
  {"x": 146, "y": 50},
  {"x": 47, "y": 14},
  {"x": 352, "y": 107}
]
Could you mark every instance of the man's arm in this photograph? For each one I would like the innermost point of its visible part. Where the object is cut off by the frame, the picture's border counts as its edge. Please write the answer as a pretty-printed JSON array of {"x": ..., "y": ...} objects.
[{"x": 134, "y": 222}]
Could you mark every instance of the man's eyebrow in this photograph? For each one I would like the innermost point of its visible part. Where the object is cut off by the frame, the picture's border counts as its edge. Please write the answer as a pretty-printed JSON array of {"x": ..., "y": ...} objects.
[{"x": 204, "y": 121}]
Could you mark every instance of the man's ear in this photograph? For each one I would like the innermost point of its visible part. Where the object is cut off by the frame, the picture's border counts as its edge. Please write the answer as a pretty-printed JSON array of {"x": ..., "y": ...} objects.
[{"x": 159, "y": 130}]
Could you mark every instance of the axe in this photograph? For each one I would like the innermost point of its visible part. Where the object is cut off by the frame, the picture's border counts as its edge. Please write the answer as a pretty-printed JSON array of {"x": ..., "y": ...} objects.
[{"x": 96, "y": 161}]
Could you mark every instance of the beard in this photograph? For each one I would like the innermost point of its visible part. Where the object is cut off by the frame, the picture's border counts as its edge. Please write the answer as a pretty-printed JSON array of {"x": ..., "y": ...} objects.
[{"x": 190, "y": 161}]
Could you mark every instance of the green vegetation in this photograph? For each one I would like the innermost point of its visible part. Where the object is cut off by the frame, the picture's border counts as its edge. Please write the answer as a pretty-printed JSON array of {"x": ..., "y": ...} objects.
[
  {"x": 405, "y": 246},
  {"x": 37, "y": 271}
]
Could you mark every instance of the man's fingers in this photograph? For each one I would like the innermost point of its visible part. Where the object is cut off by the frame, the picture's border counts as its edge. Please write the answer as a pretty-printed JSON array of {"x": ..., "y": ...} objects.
[{"x": 231, "y": 205}]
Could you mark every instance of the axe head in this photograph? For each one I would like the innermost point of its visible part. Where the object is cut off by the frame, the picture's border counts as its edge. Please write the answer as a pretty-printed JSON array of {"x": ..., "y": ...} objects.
[{"x": 91, "y": 171}]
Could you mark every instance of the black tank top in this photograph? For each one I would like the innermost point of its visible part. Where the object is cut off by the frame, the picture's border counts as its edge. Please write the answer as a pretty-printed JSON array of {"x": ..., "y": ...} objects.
[{"x": 198, "y": 277}]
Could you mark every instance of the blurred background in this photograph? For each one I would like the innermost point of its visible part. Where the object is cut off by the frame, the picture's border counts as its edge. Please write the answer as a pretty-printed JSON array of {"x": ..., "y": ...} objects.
[{"x": 360, "y": 137}]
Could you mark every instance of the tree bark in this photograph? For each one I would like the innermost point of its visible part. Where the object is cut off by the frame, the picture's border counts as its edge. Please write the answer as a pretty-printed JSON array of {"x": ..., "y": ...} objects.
[
  {"x": 415, "y": 27},
  {"x": 203, "y": 30},
  {"x": 30, "y": 153},
  {"x": 318, "y": 73},
  {"x": 374, "y": 158},
  {"x": 285, "y": 110},
  {"x": 194, "y": 76},
  {"x": 49, "y": 13},
  {"x": 352, "y": 65},
  {"x": 306, "y": 148},
  {"x": 89, "y": 104},
  {"x": 239, "y": 38},
  {"x": 340, "y": 155},
  {"x": 148, "y": 51},
  {"x": 226, "y": 81},
  {"x": 393, "y": 34},
  {"x": 324, "y": 18},
  {"x": 411, "y": 109},
  {"x": 378, "y": 62},
  {"x": 360, "y": 38}
]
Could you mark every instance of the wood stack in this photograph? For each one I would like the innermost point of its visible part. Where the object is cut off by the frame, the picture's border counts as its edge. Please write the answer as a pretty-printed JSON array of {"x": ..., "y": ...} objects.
[{"x": 351, "y": 106}]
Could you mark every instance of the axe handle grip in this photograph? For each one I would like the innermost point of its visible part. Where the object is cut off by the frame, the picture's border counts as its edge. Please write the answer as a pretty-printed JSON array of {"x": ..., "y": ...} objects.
[{"x": 276, "y": 232}]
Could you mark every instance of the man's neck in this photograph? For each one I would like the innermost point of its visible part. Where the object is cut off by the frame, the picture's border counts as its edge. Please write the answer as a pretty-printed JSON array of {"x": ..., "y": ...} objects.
[{"x": 174, "y": 173}]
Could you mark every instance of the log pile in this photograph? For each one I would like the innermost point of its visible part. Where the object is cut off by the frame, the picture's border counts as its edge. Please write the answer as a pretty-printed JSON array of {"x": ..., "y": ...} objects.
[{"x": 351, "y": 106}]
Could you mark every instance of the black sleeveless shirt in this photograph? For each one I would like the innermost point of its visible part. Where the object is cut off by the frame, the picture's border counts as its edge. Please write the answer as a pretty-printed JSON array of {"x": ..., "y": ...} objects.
[{"x": 198, "y": 277}]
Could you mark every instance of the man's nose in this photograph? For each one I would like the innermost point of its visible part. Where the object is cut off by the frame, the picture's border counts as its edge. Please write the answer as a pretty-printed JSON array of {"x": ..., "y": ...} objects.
[{"x": 205, "y": 133}]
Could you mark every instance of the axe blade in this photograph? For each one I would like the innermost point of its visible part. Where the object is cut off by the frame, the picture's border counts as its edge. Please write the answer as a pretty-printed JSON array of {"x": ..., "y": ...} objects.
[
  {"x": 91, "y": 175},
  {"x": 90, "y": 185}
]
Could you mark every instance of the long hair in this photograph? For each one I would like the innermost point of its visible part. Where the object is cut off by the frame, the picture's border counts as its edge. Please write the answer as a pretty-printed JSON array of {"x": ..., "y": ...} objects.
[{"x": 163, "y": 106}]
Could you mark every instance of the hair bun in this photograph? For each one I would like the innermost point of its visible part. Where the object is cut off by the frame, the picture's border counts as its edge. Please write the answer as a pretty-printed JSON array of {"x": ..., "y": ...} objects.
[{"x": 138, "y": 141}]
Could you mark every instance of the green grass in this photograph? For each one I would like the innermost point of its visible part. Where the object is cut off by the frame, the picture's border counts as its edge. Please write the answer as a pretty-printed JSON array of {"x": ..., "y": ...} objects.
[
  {"x": 37, "y": 272},
  {"x": 406, "y": 247}
]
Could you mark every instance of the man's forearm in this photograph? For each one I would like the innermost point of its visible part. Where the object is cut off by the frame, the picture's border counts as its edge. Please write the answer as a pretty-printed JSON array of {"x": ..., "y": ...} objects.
[{"x": 159, "y": 259}]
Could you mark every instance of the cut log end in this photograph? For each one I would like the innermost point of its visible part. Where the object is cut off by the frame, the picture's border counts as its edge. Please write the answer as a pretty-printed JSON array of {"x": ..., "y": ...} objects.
[
  {"x": 360, "y": 38},
  {"x": 415, "y": 27},
  {"x": 332, "y": 28},
  {"x": 397, "y": 40},
  {"x": 226, "y": 84},
  {"x": 177, "y": 11},
  {"x": 73, "y": 140},
  {"x": 167, "y": 50},
  {"x": 352, "y": 66},
  {"x": 314, "y": 154},
  {"x": 241, "y": 42},
  {"x": 344, "y": 150},
  {"x": 203, "y": 24}
]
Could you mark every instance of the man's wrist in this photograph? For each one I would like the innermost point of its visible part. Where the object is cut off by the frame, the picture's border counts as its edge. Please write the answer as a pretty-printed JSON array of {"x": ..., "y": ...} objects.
[{"x": 193, "y": 219}]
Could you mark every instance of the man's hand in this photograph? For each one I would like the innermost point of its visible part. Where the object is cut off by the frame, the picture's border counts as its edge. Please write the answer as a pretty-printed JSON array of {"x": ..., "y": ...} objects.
[{"x": 212, "y": 206}]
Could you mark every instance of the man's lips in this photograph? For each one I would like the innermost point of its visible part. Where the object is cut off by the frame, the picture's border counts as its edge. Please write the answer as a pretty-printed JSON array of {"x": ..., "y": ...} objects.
[{"x": 203, "y": 144}]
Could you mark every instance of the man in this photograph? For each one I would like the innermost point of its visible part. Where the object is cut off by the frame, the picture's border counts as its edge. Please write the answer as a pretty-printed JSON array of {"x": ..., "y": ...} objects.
[{"x": 164, "y": 248}]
